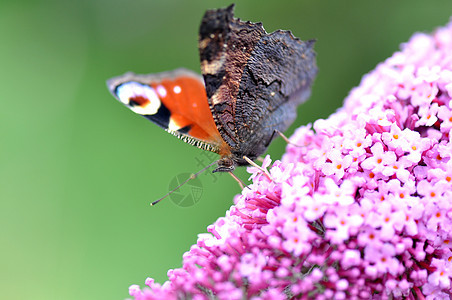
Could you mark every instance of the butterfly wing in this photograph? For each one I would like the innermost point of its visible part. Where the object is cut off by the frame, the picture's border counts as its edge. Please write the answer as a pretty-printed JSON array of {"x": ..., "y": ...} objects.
[
  {"x": 254, "y": 80},
  {"x": 175, "y": 100}
]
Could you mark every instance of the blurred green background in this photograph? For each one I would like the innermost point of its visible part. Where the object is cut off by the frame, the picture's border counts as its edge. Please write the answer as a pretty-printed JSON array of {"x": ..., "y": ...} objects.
[{"x": 78, "y": 170}]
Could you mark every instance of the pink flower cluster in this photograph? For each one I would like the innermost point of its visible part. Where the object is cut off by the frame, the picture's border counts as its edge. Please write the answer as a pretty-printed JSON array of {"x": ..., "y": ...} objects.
[{"x": 360, "y": 207}]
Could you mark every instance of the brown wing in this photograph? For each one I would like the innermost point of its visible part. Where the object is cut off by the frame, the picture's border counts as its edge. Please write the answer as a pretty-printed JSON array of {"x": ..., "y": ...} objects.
[
  {"x": 225, "y": 45},
  {"x": 254, "y": 80}
]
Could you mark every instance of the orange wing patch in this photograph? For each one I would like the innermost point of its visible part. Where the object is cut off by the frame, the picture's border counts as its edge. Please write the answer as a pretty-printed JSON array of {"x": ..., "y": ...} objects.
[{"x": 186, "y": 99}]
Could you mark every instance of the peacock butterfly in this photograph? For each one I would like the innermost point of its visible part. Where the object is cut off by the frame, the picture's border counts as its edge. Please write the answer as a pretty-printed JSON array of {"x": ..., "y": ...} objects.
[{"x": 252, "y": 83}]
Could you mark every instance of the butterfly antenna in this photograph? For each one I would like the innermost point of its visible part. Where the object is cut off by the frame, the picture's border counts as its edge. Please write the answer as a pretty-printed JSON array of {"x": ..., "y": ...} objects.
[
  {"x": 285, "y": 138},
  {"x": 192, "y": 176}
]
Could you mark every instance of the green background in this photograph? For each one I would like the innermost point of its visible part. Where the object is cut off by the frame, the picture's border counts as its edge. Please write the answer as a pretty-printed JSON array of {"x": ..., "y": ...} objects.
[{"x": 78, "y": 170}]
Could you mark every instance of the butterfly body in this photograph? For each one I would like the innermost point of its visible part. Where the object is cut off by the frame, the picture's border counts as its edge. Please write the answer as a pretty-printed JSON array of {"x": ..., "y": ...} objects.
[{"x": 251, "y": 86}]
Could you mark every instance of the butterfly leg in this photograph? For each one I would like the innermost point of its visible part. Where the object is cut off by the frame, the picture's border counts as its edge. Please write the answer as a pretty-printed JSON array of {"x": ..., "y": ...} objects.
[
  {"x": 264, "y": 170},
  {"x": 271, "y": 138},
  {"x": 276, "y": 131},
  {"x": 225, "y": 164},
  {"x": 239, "y": 181},
  {"x": 285, "y": 138}
]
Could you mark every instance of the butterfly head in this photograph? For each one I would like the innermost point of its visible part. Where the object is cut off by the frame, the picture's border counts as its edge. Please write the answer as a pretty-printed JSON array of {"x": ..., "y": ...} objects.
[{"x": 225, "y": 164}]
